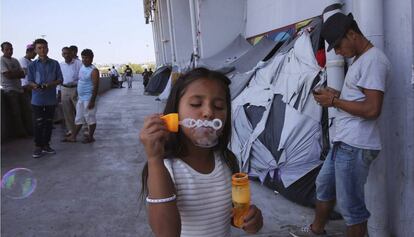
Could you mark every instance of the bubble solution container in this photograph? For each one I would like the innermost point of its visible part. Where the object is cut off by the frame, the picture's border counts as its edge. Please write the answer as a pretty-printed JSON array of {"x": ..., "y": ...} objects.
[{"x": 240, "y": 196}]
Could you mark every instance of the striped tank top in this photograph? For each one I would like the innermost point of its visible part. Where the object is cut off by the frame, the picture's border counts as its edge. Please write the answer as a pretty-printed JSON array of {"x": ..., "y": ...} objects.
[
  {"x": 203, "y": 200},
  {"x": 85, "y": 84}
]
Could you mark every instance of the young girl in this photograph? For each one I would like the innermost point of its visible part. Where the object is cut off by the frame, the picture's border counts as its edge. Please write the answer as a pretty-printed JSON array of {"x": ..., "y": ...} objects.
[{"x": 188, "y": 178}]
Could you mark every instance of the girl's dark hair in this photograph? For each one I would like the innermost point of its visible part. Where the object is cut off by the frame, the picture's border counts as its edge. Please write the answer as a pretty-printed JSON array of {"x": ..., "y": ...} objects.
[{"x": 175, "y": 147}]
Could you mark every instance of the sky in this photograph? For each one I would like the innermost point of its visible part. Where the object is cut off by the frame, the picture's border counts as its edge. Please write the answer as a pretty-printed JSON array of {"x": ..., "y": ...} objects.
[{"x": 115, "y": 30}]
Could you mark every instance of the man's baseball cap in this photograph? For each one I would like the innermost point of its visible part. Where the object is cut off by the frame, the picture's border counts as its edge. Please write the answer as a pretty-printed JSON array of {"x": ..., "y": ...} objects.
[
  {"x": 335, "y": 28},
  {"x": 30, "y": 46}
]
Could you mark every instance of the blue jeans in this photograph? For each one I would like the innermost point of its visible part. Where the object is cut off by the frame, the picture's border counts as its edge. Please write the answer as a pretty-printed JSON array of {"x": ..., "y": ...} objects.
[
  {"x": 43, "y": 123},
  {"x": 342, "y": 177}
]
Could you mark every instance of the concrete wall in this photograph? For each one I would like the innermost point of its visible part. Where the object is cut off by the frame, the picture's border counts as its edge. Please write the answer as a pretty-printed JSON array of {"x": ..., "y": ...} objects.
[
  {"x": 182, "y": 28},
  {"x": 6, "y": 120},
  {"x": 396, "y": 162},
  {"x": 165, "y": 31},
  {"x": 160, "y": 32},
  {"x": 266, "y": 15},
  {"x": 104, "y": 84},
  {"x": 220, "y": 23},
  {"x": 156, "y": 43}
]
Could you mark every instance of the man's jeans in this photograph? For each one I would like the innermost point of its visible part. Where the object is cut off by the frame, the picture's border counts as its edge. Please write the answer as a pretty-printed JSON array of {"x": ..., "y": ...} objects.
[
  {"x": 129, "y": 80},
  {"x": 342, "y": 177},
  {"x": 43, "y": 123}
]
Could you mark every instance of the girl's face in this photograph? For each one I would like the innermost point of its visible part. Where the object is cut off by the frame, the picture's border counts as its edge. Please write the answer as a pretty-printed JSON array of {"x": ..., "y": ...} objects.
[{"x": 203, "y": 99}]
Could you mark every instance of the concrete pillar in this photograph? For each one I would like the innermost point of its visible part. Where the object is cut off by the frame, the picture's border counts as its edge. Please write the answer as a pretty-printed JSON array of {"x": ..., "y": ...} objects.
[{"x": 369, "y": 16}]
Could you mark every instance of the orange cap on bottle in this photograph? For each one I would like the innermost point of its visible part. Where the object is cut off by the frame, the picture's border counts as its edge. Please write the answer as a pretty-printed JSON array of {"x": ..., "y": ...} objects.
[{"x": 171, "y": 120}]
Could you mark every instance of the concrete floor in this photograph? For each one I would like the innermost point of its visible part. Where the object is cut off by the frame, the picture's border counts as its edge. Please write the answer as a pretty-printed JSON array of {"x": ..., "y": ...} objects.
[{"x": 93, "y": 189}]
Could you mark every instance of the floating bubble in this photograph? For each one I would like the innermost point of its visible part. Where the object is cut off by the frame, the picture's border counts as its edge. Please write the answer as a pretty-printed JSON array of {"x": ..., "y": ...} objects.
[{"x": 18, "y": 183}]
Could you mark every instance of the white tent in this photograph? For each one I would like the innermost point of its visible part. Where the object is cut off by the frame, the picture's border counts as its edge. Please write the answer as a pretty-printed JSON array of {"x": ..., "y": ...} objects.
[{"x": 281, "y": 88}]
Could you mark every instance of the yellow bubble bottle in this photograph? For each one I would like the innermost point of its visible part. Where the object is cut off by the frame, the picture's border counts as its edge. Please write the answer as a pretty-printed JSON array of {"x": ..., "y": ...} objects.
[
  {"x": 171, "y": 121},
  {"x": 240, "y": 192}
]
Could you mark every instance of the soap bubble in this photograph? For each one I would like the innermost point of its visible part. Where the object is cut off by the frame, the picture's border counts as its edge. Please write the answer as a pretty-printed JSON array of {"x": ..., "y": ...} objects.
[{"x": 18, "y": 183}]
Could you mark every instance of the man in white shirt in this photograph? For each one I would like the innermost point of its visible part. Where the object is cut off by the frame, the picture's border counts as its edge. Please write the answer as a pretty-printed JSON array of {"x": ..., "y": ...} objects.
[
  {"x": 70, "y": 70},
  {"x": 24, "y": 62},
  {"x": 115, "y": 75}
]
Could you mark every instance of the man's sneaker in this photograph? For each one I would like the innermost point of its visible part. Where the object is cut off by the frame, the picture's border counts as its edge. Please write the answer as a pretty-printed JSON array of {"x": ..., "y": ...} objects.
[
  {"x": 48, "y": 150},
  {"x": 305, "y": 231},
  {"x": 37, "y": 153}
]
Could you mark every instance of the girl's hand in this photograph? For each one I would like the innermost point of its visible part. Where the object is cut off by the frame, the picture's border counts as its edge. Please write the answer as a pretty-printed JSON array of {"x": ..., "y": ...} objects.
[
  {"x": 153, "y": 136},
  {"x": 253, "y": 221}
]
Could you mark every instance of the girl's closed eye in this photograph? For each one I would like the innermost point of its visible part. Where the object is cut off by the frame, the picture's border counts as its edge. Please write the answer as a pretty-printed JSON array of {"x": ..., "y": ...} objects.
[
  {"x": 195, "y": 104},
  {"x": 219, "y": 106}
]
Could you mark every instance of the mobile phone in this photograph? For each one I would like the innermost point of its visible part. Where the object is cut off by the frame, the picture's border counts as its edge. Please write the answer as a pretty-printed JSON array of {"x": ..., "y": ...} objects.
[{"x": 315, "y": 90}]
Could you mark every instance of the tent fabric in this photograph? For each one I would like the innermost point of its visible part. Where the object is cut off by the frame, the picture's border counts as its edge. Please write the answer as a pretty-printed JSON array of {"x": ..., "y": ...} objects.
[
  {"x": 166, "y": 92},
  {"x": 239, "y": 82},
  {"x": 255, "y": 54},
  {"x": 158, "y": 80},
  {"x": 297, "y": 75},
  {"x": 301, "y": 145},
  {"x": 232, "y": 52},
  {"x": 171, "y": 79},
  {"x": 274, "y": 125},
  {"x": 303, "y": 191},
  {"x": 295, "y": 150}
]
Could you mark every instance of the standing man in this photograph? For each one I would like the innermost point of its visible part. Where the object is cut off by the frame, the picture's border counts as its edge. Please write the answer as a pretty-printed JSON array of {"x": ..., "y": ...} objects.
[
  {"x": 74, "y": 50},
  {"x": 24, "y": 63},
  {"x": 86, "y": 107},
  {"x": 128, "y": 75},
  {"x": 357, "y": 139},
  {"x": 115, "y": 74},
  {"x": 11, "y": 73},
  {"x": 145, "y": 77},
  {"x": 70, "y": 71},
  {"x": 114, "y": 81},
  {"x": 44, "y": 75}
]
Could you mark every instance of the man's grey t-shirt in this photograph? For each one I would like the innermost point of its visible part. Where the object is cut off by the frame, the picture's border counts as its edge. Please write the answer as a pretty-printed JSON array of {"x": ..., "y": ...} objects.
[
  {"x": 10, "y": 64},
  {"x": 370, "y": 71}
]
